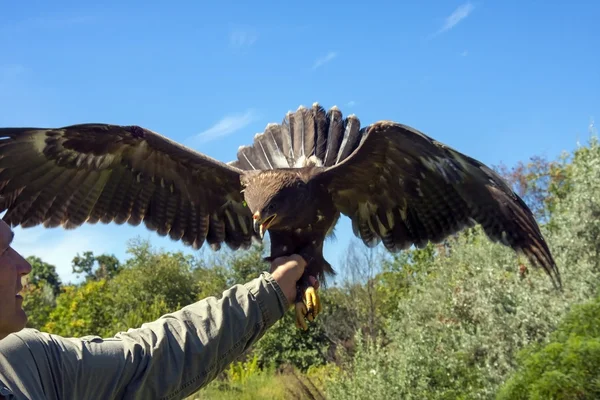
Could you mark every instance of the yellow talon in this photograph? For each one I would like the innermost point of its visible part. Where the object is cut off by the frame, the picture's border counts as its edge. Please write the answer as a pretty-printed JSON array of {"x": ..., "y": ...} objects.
[
  {"x": 313, "y": 304},
  {"x": 300, "y": 313},
  {"x": 309, "y": 308}
]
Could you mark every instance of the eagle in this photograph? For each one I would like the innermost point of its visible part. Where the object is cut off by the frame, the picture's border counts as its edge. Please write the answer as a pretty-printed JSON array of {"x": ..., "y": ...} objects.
[{"x": 398, "y": 186}]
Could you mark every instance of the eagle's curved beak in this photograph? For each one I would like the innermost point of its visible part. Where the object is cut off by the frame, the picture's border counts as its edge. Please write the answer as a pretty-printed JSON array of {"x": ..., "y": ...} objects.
[{"x": 260, "y": 225}]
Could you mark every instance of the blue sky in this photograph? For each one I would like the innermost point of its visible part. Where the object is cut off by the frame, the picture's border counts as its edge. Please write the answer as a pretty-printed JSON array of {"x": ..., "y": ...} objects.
[{"x": 500, "y": 81}]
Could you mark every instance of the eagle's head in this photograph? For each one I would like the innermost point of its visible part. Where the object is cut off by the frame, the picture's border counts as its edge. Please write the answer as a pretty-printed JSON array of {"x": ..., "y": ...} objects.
[{"x": 278, "y": 199}]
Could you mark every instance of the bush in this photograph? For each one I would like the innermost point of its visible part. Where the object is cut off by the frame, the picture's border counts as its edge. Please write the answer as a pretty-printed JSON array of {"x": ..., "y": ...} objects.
[
  {"x": 566, "y": 368},
  {"x": 471, "y": 308}
]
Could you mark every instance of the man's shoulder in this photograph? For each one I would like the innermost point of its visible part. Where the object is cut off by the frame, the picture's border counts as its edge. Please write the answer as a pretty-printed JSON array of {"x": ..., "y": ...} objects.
[
  {"x": 16, "y": 340},
  {"x": 29, "y": 343},
  {"x": 30, "y": 337},
  {"x": 21, "y": 347},
  {"x": 24, "y": 337},
  {"x": 18, "y": 367}
]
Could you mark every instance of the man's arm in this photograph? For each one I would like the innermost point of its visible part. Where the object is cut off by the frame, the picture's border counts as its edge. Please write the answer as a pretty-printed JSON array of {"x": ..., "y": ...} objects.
[{"x": 166, "y": 359}]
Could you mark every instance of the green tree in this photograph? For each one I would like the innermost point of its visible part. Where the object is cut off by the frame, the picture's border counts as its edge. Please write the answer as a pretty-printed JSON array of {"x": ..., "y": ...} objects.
[
  {"x": 247, "y": 265},
  {"x": 235, "y": 267},
  {"x": 93, "y": 267},
  {"x": 150, "y": 284},
  {"x": 568, "y": 367},
  {"x": 41, "y": 271},
  {"x": 469, "y": 310},
  {"x": 38, "y": 302},
  {"x": 541, "y": 183},
  {"x": 83, "y": 310},
  {"x": 212, "y": 280},
  {"x": 163, "y": 279},
  {"x": 39, "y": 292},
  {"x": 286, "y": 344}
]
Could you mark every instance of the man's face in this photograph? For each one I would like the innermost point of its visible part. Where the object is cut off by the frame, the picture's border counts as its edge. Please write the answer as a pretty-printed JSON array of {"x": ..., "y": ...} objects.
[{"x": 12, "y": 268}]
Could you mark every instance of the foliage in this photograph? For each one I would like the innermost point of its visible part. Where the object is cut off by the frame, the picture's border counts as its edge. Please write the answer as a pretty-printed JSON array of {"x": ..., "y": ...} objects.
[
  {"x": 471, "y": 308},
  {"x": 39, "y": 292},
  {"x": 42, "y": 272},
  {"x": 284, "y": 343},
  {"x": 38, "y": 302},
  {"x": 149, "y": 285},
  {"x": 240, "y": 371},
  {"x": 85, "y": 310},
  {"x": 246, "y": 380},
  {"x": 541, "y": 183},
  {"x": 568, "y": 367},
  {"x": 96, "y": 267},
  {"x": 263, "y": 384},
  {"x": 226, "y": 268},
  {"x": 157, "y": 274}
]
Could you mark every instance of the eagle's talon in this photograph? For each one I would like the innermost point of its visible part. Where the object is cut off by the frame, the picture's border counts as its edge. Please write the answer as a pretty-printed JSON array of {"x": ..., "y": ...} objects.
[
  {"x": 313, "y": 304},
  {"x": 308, "y": 306},
  {"x": 300, "y": 313}
]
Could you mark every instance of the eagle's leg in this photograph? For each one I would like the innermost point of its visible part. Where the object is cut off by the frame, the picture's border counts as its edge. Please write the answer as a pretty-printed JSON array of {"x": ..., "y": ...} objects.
[{"x": 308, "y": 304}]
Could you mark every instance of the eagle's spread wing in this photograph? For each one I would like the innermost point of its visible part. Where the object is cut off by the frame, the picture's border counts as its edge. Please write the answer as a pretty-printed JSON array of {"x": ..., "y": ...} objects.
[
  {"x": 402, "y": 187},
  {"x": 99, "y": 172}
]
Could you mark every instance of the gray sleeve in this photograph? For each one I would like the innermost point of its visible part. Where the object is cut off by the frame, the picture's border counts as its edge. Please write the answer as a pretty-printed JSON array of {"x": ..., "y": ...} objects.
[{"x": 169, "y": 358}]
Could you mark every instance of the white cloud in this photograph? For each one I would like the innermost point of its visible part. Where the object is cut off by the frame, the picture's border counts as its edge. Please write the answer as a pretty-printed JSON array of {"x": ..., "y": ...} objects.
[
  {"x": 242, "y": 38},
  {"x": 324, "y": 60},
  {"x": 351, "y": 103},
  {"x": 226, "y": 126},
  {"x": 457, "y": 15},
  {"x": 464, "y": 53}
]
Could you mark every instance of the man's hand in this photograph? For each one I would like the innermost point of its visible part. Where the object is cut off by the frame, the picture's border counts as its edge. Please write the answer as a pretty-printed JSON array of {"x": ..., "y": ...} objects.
[{"x": 287, "y": 271}]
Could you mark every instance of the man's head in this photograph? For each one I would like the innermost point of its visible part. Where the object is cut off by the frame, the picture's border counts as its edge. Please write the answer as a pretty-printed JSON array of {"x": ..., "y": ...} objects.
[{"x": 12, "y": 268}]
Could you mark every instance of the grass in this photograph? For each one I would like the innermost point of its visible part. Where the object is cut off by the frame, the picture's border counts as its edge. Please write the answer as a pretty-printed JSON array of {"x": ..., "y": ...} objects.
[{"x": 243, "y": 381}]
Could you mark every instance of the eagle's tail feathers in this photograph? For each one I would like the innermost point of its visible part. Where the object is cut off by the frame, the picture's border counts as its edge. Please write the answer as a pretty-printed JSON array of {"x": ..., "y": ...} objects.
[
  {"x": 267, "y": 152},
  {"x": 307, "y": 136},
  {"x": 351, "y": 138},
  {"x": 246, "y": 159},
  {"x": 335, "y": 132},
  {"x": 269, "y": 149},
  {"x": 321, "y": 130},
  {"x": 302, "y": 128}
]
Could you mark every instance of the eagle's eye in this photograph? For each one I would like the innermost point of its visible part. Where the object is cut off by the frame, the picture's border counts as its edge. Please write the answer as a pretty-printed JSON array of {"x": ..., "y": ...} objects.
[{"x": 271, "y": 207}]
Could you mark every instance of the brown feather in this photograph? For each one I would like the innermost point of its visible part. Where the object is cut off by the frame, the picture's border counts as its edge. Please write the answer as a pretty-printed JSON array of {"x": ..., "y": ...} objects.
[
  {"x": 397, "y": 185},
  {"x": 438, "y": 190},
  {"x": 108, "y": 173}
]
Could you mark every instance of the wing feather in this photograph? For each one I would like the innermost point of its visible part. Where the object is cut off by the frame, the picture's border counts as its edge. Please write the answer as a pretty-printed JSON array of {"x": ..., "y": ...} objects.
[
  {"x": 180, "y": 218},
  {"x": 428, "y": 190},
  {"x": 123, "y": 174},
  {"x": 216, "y": 231},
  {"x": 83, "y": 199}
]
